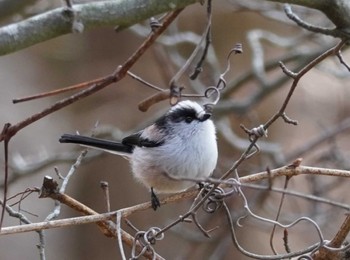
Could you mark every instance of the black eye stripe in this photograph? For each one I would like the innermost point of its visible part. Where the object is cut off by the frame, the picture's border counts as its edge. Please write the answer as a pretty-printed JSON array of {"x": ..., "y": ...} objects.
[{"x": 183, "y": 114}]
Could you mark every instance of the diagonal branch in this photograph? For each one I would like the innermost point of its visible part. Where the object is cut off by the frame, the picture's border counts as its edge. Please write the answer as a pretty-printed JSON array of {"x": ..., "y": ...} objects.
[{"x": 116, "y": 76}]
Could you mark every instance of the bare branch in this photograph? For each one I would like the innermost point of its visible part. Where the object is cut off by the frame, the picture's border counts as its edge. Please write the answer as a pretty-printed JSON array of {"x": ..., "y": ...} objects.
[
  {"x": 297, "y": 76},
  {"x": 336, "y": 11},
  {"x": 310, "y": 27},
  {"x": 57, "y": 22}
]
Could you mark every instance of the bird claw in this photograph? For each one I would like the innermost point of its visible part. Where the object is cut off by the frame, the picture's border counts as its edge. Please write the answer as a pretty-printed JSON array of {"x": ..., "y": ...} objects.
[{"x": 154, "y": 200}]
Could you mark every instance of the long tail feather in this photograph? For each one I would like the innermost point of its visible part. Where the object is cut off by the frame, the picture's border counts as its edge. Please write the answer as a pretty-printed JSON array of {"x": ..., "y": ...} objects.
[{"x": 100, "y": 144}]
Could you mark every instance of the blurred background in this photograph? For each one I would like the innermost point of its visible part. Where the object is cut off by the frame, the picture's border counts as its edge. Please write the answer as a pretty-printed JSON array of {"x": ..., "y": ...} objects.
[{"x": 253, "y": 95}]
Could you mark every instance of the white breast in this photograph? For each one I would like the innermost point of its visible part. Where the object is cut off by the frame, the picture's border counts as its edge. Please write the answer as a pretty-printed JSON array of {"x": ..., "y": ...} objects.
[{"x": 190, "y": 153}]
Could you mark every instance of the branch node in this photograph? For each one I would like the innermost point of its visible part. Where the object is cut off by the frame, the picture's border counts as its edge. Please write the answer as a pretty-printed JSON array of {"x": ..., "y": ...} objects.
[
  {"x": 342, "y": 61},
  {"x": 295, "y": 164},
  {"x": 154, "y": 23},
  {"x": 4, "y": 135},
  {"x": 175, "y": 93},
  {"x": 49, "y": 187},
  {"x": 73, "y": 17},
  {"x": 259, "y": 131},
  {"x": 105, "y": 188},
  {"x": 289, "y": 120},
  {"x": 156, "y": 98},
  {"x": 287, "y": 71}
]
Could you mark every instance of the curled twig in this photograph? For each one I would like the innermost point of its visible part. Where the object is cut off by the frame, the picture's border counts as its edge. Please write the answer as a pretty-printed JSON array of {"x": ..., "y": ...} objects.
[{"x": 146, "y": 239}]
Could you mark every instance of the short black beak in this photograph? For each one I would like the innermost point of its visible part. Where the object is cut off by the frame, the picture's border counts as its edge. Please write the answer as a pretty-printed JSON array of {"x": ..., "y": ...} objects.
[{"x": 205, "y": 117}]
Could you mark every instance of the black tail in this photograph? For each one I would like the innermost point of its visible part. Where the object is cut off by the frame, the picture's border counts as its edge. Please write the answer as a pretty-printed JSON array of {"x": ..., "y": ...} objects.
[{"x": 108, "y": 146}]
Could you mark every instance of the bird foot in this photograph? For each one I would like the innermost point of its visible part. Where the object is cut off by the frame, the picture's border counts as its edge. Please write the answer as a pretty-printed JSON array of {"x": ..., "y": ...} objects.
[{"x": 154, "y": 200}]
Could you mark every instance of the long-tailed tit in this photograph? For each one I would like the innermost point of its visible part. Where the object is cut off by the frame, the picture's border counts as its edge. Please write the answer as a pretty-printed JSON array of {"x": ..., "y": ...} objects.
[{"x": 181, "y": 144}]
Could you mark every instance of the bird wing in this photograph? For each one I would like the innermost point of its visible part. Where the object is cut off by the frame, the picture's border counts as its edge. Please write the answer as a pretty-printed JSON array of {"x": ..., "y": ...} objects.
[{"x": 137, "y": 140}]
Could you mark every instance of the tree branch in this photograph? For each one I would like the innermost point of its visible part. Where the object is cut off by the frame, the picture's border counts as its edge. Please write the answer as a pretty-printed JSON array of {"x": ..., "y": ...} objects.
[
  {"x": 59, "y": 21},
  {"x": 336, "y": 11},
  {"x": 95, "y": 217}
]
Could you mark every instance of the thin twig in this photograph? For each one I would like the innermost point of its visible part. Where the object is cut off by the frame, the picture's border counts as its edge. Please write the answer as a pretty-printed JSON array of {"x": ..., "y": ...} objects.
[
  {"x": 256, "y": 256},
  {"x": 297, "y": 76},
  {"x": 6, "y": 145},
  {"x": 119, "y": 235},
  {"x": 105, "y": 188},
  {"x": 277, "y": 215},
  {"x": 342, "y": 61},
  {"x": 59, "y": 91}
]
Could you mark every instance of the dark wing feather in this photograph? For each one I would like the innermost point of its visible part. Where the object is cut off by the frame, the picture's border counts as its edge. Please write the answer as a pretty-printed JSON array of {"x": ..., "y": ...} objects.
[
  {"x": 137, "y": 140},
  {"x": 133, "y": 139}
]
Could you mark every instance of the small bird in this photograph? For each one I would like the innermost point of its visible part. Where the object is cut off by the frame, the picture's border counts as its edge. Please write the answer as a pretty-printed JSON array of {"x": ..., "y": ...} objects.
[{"x": 180, "y": 145}]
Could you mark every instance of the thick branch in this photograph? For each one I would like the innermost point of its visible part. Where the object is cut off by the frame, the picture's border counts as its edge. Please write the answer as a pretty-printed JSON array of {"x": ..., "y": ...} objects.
[
  {"x": 336, "y": 10},
  {"x": 59, "y": 21}
]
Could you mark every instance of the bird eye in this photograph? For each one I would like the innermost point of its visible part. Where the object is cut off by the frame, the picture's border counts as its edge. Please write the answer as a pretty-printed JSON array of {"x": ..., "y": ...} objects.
[{"x": 188, "y": 119}]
